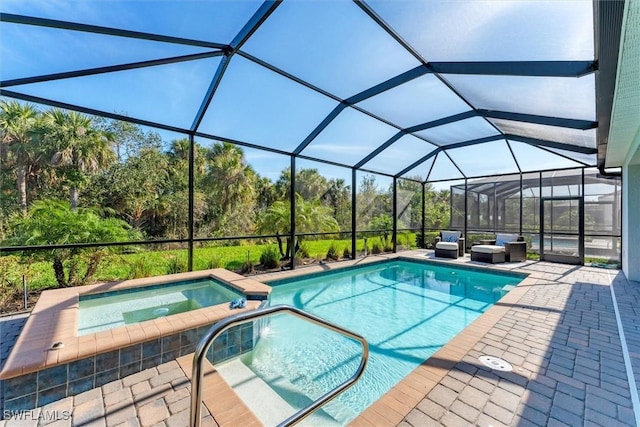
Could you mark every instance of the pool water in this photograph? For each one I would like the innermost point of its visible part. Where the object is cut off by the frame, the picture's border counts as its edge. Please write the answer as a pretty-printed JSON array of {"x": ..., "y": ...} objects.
[
  {"x": 406, "y": 311},
  {"x": 108, "y": 310}
]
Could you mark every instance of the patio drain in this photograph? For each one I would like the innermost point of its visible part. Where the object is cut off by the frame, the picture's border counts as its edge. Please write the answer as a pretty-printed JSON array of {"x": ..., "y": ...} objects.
[{"x": 496, "y": 363}]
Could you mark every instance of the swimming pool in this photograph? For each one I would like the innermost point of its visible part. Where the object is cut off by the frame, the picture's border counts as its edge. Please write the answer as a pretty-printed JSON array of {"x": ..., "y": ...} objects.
[
  {"x": 406, "y": 311},
  {"x": 106, "y": 310}
]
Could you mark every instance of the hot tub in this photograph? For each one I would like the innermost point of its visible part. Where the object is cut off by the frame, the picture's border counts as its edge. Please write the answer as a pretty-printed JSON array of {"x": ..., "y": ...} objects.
[
  {"x": 107, "y": 310},
  {"x": 58, "y": 354}
]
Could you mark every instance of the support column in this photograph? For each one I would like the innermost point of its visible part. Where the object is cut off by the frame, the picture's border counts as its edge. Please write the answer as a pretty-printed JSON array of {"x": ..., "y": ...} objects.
[
  {"x": 191, "y": 202},
  {"x": 580, "y": 220},
  {"x": 423, "y": 214},
  {"x": 394, "y": 235},
  {"x": 631, "y": 231},
  {"x": 466, "y": 210},
  {"x": 581, "y": 225},
  {"x": 292, "y": 204},
  {"x": 615, "y": 222},
  {"x": 354, "y": 225},
  {"x": 521, "y": 207}
]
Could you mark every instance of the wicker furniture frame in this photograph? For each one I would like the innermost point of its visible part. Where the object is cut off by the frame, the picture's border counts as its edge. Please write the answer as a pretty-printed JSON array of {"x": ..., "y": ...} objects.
[
  {"x": 461, "y": 246},
  {"x": 493, "y": 258},
  {"x": 447, "y": 253}
]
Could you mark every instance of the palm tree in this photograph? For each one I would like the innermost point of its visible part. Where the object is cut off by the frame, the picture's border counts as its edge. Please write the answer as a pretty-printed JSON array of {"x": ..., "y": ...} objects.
[
  {"x": 310, "y": 184},
  {"x": 338, "y": 195},
  {"x": 176, "y": 192},
  {"x": 17, "y": 126},
  {"x": 311, "y": 216},
  {"x": 277, "y": 219},
  {"x": 230, "y": 185},
  {"x": 78, "y": 148}
]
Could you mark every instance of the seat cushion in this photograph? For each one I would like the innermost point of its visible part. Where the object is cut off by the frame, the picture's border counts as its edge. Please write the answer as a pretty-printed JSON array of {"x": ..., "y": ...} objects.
[
  {"x": 487, "y": 249},
  {"x": 447, "y": 246}
]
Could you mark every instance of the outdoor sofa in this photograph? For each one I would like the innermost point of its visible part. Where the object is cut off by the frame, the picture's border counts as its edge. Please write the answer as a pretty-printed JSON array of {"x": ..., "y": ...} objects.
[{"x": 505, "y": 247}]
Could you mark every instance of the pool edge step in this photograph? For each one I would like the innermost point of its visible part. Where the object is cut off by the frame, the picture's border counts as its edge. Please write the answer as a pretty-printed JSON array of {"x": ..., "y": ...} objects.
[{"x": 263, "y": 401}]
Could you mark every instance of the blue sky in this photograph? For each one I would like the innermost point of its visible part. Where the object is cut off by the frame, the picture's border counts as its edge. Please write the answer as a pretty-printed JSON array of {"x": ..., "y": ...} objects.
[{"x": 333, "y": 45}]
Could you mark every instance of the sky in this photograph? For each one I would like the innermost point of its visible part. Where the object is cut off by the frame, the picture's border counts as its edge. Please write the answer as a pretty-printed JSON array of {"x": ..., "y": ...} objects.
[{"x": 335, "y": 46}]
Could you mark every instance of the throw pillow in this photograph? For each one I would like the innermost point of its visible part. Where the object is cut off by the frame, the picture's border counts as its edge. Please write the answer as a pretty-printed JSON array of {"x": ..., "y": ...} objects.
[
  {"x": 450, "y": 236},
  {"x": 503, "y": 239}
]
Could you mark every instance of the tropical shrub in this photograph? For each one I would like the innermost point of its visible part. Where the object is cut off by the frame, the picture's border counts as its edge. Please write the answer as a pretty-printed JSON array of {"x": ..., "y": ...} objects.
[
  {"x": 376, "y": 248},
  {"x": 215, "y": 262},
  {"x": 10, "y": 277},
  {"x": 429, "y": 239},
  {"x": 270, "y": 257},
  {"x": 346, "y": 253},
  {"x": 299, "y": 259},
  {"x": 382, "y": 224},
  {"x": 247, "y": 264},
  {"x": 53, "y": 222},
  {"x": 303, "y": 250},
  {"x": 176, "y": 265},
  {"x": 139, "y": 268},
  {"x": 246, "y": 267},
  {"x": 332, "y": 252}
]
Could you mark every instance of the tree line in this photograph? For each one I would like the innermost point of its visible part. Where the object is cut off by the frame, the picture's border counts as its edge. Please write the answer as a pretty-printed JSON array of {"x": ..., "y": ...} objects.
[
  {"x": 133, "y": 175},
  {"x": 67, "y": 178}
]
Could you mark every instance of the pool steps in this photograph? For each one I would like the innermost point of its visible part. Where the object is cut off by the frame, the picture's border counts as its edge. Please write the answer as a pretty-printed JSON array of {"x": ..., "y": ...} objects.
[{"x": 266, "y": 404}]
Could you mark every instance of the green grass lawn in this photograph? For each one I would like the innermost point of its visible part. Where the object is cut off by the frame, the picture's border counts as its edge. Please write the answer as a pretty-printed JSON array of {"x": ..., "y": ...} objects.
[{"x": 145, "y": 263}]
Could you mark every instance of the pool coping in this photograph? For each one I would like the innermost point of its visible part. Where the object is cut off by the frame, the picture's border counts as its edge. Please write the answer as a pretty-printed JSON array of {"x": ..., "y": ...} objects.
[{"x": 55, "y": 319}]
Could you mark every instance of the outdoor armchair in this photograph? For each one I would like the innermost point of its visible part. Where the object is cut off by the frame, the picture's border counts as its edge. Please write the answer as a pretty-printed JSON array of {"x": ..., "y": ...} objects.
[{"x": 450, "y": 244}]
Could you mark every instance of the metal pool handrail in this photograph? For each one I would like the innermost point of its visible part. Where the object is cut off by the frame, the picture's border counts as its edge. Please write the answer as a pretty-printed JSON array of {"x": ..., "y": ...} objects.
[{"x": 218, "y": 328}]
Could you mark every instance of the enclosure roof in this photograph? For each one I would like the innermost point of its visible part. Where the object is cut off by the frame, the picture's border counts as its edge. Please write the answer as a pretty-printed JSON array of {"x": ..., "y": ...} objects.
[
  {"x": 430, "y": 90},
  {"x": 510, "y": 185}
]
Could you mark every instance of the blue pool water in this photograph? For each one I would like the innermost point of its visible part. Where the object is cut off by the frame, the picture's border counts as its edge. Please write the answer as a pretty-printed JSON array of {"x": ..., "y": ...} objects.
[
  {"x": 106, "y": 310},
  {"x": 406, "y": 311}
]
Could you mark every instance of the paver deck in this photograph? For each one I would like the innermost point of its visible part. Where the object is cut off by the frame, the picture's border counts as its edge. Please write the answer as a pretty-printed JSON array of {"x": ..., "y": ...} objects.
[
  {"x": 558, "y": 330},
  {"x": 10, "y": 328}
]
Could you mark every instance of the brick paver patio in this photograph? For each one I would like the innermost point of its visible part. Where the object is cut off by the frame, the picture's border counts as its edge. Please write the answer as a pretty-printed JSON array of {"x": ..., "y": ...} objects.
[
  {"x": 562, "y": 339},
  {"x": 561, "y": 336},
  {"x": 10, "y": 327}
]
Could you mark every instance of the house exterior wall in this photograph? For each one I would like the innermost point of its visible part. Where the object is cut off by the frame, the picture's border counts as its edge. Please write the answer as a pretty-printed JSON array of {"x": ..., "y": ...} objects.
[{"x": 631, "y": 217}]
